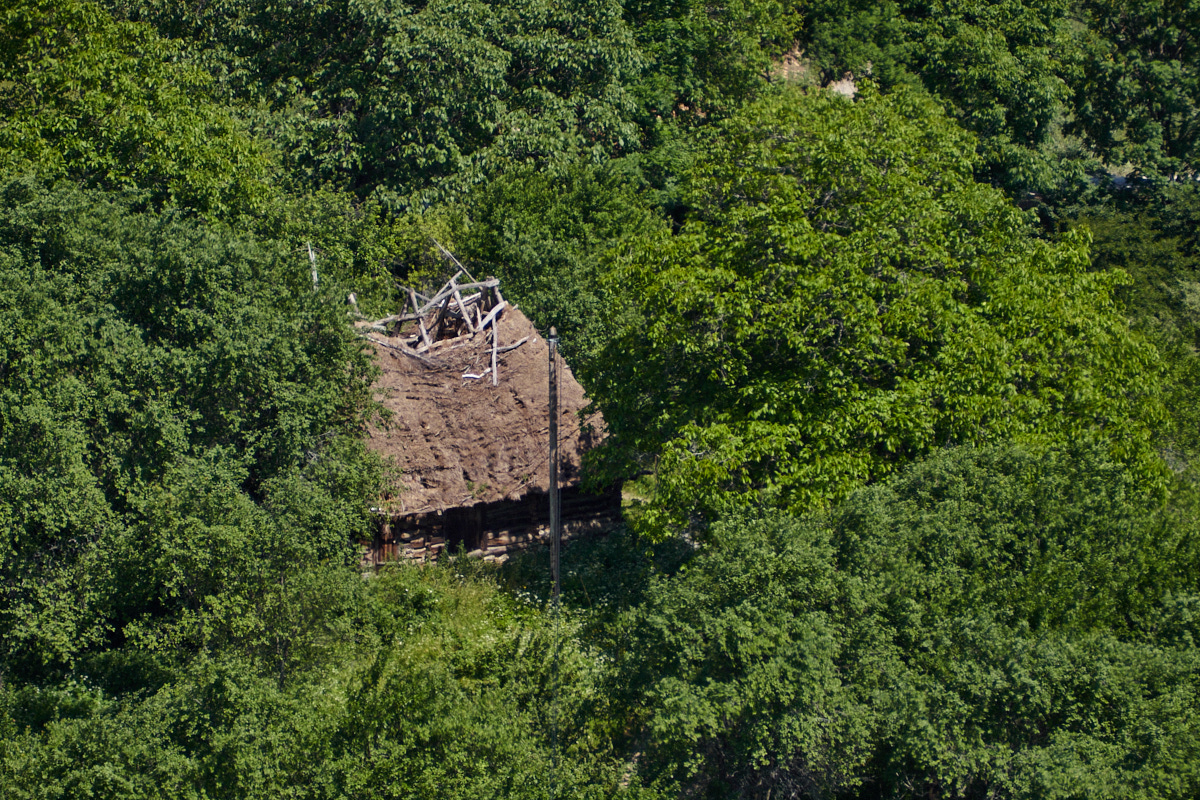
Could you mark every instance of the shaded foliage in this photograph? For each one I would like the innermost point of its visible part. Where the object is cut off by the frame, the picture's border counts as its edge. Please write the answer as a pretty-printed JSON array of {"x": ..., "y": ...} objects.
[
  {"x": 1005, "y": 71},
  {"x": 440, "y": 689},
  {"x": 420, "y": 100},
  {"x": 1151, "y": 235},
  {"x": 706, "y": 59},
  {"x": 990, "y": 623},
  {"x": 548, "y": 239},
  {"x": 1138, "y": 91},
  {"x": 112, "y": 105}
]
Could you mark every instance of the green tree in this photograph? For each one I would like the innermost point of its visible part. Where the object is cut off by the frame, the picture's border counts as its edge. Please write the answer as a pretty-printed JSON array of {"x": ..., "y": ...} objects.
[
  {"x": 1152, "y": 235},
  {"x": 179, "y": 412},
  {"x": 990, "y": 623},
  {"x": 706, "y": 59},
  {"x": 1138, "y": 94},
  {"x": 547, "y": 237},
  {"x": 433, "y": 684},
  {"x": 425, "y": 99},
  {"x": 1004, "y": 71},
  {"x": 112, "y": 105},
  {"x": 844, "y": 298}
]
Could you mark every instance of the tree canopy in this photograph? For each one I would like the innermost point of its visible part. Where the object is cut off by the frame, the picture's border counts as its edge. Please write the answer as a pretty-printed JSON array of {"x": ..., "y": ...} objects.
[
  {"x": 991, "y": 622},
  {"x": 914, "y": 508},
  {"x": 421, "y": 99},
  {"x": 1138, "y": 92},
  {"x": 112, "y": 105},
  {"x": 171, "y": 396},
  {"x": 845, "y": 297}
]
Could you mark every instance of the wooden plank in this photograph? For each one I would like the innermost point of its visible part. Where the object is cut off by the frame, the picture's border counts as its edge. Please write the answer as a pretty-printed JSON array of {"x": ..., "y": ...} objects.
[
  {"x": 396, "y": 318},
  {"x": 490, "y": 283},
  {"x": 446, "y": 291},
  {"x": 513, "y": 346},
  {"x": 437, "y": 327},
  {"x": 495, "y": 369},
  {"x": 404, "y": 350},
  {"x": 495, "y": 312},
  {"x": 420, "y": 319},
  {"x": 434, "y": 302},
  {"x": 463, "y": 309}
]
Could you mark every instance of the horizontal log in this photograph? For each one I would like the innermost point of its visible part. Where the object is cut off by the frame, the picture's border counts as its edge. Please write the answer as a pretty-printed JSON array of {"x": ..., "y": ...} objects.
[
  {"x": 472, "y": 299},
  {"x": 490, "y": 283},
  {"x": 512, "y": 346}
]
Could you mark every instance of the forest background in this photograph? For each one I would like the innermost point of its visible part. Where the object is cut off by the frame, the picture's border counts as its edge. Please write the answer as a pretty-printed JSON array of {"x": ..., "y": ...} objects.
[{"x": 905, "y": 385}]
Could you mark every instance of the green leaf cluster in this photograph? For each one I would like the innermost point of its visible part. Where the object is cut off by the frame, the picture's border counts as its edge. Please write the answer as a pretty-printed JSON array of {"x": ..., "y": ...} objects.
[
  {"x": 110, "y": 104},
  {"x": 832, "y": 309},
  {"x": 706, "y": 59},
  {"x": 548, "y": 238},
  {"x": 1138, "y": 94},
  {"x": 435, "y": 684},
  {"x": 1006, "y": 71},
  {"x": 992, "y": 622},
  {"x": 420, "y": 101},
  {"x": 174, "y": 399}
]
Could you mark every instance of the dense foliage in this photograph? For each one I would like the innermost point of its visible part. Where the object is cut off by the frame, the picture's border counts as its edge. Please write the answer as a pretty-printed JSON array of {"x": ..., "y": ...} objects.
[
  {"x": 831, "y": 310},
  {"x": 992, "y": 623},
  {"x": 421, "y": 99},
  {"x": 111, "y": 105},
  {"x": 173, "y": 398},
  {"x": 1138, "y": 94},
  {"x": 428, "y": 686},
  {"x": 914, "y": 509}
]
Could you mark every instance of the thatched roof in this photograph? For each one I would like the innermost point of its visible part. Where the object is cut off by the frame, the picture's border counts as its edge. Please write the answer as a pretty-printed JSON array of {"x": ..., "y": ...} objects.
[{"x": 459, "y": 440}]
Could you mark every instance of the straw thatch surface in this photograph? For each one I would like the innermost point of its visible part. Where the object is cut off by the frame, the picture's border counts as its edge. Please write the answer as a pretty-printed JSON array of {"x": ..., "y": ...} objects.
[{"x": 460, "y": 441}]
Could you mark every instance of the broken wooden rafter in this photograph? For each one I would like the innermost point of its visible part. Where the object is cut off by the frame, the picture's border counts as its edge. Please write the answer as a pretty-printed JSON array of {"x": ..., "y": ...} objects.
[
  {"x": 420, "y": 319},
  {"x": 462, "y": 309},
  {"x": 448, "y": 291},
  {"x": 513, "y": 346},
  {"x": 453, "y": 260},
  {"x": 495, "y": 343},
  {"x": 406, "y": 351},
  {"x": 491, "y": 317}
]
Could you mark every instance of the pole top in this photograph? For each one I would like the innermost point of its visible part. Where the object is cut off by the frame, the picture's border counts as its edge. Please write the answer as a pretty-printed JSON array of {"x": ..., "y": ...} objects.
[{"x": 553, "y": 332}]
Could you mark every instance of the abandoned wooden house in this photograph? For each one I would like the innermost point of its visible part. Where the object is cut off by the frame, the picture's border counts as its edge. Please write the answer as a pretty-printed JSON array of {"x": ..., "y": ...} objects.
[{"x": 465, "y": 386}]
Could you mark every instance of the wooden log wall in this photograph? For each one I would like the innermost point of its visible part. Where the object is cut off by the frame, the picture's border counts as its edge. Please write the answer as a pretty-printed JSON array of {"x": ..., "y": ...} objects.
[{"x": 491, "y": 531}]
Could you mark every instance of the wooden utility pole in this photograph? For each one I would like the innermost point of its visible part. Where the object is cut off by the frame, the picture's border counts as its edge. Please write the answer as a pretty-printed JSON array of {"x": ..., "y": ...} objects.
[
  {"x": 555, "y": 511},
  {"x": 555, "y": 543}
]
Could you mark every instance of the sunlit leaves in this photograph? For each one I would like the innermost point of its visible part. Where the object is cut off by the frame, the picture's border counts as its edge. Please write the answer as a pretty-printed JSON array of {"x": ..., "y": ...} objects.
[
  {"x": 111, "y": 105},
  {"x": 846, "y": 297},
  {"x": 167, "y": 387},
  {"x": 422, "y": 101}
]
